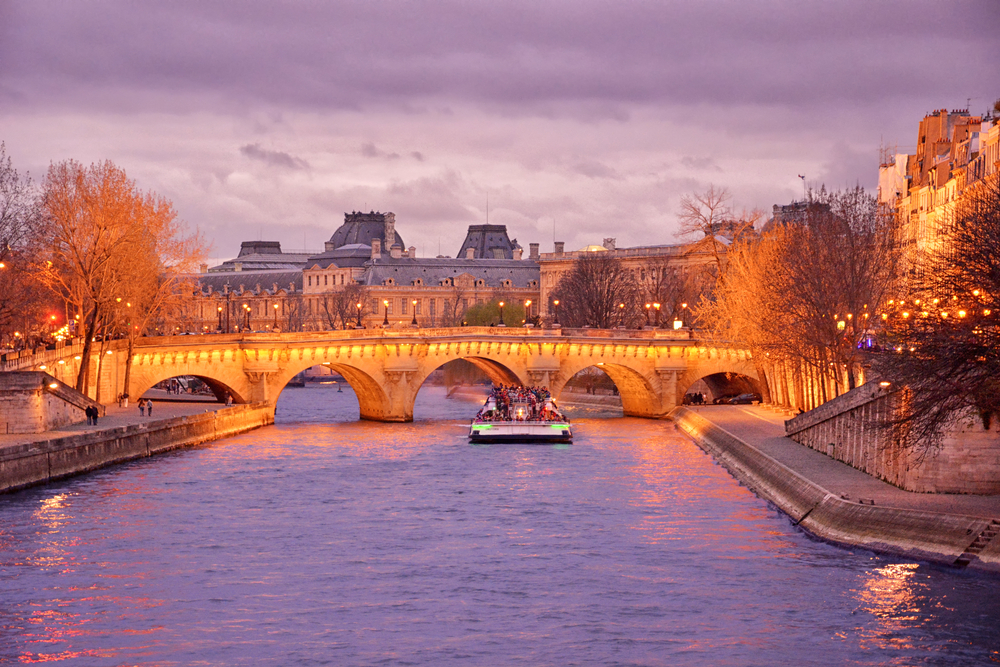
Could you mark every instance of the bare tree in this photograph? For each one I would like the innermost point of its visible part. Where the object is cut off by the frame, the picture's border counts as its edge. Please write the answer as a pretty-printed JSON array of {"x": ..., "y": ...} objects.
[
  {"x": 598, "y": 291},
  {"x": 943, "y": 338},
  {"x": 340, "y": 305},
  {"x": 20, "y": 298},
  {"x": 809, "y": 292}
]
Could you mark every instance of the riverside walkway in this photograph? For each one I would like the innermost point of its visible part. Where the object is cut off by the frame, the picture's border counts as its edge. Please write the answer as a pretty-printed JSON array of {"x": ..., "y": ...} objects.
[
  {"x": 763, "y": 429},
  {"x": 116, "y": 417}
]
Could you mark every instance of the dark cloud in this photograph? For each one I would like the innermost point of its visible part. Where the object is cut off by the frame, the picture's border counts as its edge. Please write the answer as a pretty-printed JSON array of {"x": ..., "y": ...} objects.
[
  {"x": 273, "y": 158},
  {"x": 511, "y": 55},
  {"x": 700, "y": 163},
  {"x": 369, "y": 149},
  {"x": 595, "y": 169}
]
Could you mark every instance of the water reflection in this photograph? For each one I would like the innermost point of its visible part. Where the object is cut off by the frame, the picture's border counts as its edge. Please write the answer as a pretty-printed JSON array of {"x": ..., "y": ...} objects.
[{"x": 325, "y": 539}]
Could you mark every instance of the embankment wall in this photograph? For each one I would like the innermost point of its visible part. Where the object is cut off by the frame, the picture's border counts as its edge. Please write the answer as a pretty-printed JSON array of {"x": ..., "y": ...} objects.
[
  {"x": 39, "y": 462},
  {"x": 930, "y": 536}
]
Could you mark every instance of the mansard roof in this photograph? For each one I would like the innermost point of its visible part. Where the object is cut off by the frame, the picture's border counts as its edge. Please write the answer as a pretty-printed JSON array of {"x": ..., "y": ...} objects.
[
  {"x": 353, "y": 254},
  {"x": 489, "y": 242},
  {"x": 432, "y": 271},
  {"x": 243, "y": 281}
]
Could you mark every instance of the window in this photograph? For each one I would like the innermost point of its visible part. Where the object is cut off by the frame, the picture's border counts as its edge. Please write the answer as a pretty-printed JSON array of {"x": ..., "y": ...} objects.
[
  {"x": 376, "y": 306},
  {"x": 416, "y": 308},
  {"x": 433, "y": 306},
  {"x": 465, "y": 305},
  {"x": 310, "y": 281},
  {"x": 341, "y": 278},
  {"x": 326, "y": 280},
  {"x": 403, "y": 306}
]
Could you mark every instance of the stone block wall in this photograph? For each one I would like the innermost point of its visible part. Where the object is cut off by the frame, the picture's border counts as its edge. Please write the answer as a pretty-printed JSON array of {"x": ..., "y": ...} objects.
[
  {"x": 35, "y": 402},
  {"x": 849, "y": 429}
]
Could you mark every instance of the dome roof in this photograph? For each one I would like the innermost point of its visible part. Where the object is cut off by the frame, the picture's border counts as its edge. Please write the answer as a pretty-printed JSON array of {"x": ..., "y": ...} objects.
[{"x": 361, "y": 228}]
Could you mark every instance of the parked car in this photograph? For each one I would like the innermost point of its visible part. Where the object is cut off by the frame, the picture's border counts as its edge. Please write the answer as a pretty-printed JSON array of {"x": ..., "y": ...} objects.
[
  {"x": 745, "y": 399},
  {"x": 725, "y": 399}
]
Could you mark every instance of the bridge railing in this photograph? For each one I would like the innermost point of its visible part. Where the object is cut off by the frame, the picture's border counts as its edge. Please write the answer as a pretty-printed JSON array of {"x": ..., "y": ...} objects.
[{"x": 33, "y": 359}]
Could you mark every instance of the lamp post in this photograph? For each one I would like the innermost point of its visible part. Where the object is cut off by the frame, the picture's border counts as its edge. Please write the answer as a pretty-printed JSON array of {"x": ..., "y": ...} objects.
[
  {"x": 220, "y": 319},
  {"x": 385, "y": 320},
  {"x": 414, "y": 322},
  {"x": 657, "y": 307},
  {"x": 275, "y": 317},
  {"x": 648, "y": 306},
  {"x": 621, "y": 315},
  {"x": 501, "y": 324},
  {"x": 555, "y": 305},
  {"x": 527, "y": 311},
  {"x": 358, "y": 304},
  {"x": 246, "y": 307},
  {"x": 229, "y": 306}
]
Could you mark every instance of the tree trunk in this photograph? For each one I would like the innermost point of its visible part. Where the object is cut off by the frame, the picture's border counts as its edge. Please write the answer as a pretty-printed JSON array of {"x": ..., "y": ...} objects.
[
  {"x": 128, "y": 364},
  {"x": 83, "y": 377}
]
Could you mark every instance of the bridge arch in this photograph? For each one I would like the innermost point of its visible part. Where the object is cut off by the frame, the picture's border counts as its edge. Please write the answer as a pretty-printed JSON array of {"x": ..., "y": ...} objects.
[
  {"x": 638, "y": 391},
  {"x": 145, "y": 378},
  {"x": 496, "y": 371},
  {"x": 373, "y": 400},
  {"x": 723, "y": 373}
]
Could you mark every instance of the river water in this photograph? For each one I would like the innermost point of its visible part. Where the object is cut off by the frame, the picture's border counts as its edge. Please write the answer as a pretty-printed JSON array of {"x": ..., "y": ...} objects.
[{"x": 327, "y": 541}]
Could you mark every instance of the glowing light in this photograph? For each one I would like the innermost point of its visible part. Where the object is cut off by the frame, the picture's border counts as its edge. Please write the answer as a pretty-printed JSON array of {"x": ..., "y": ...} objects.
[
  {"x": 841, "y": 324},
  {"x": 43, "y": 367},
  {"x": 906, "y": 314},
  {"x": 883, "y": 383},
  {"x": 62, "y": 361},
  {"x": 961, "y": 313},
  {"x": 885, "y": 316},
  {"x": 53, "y": 385},
  {"x": 975, "y": 292},
  {"x": 987, "y": 311},
  {"x": 944, "y": 314},
  {"x": 678, "y": 324}
]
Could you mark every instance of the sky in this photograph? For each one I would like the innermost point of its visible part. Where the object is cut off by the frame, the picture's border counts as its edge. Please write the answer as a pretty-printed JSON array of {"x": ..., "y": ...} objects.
[{"x": 569, "y": 121}]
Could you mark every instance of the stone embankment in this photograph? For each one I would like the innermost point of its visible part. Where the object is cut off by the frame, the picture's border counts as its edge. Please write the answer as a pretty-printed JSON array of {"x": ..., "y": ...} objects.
[
  {"x": 953, "y": 539},
  {"x": 37, "y": 462}
]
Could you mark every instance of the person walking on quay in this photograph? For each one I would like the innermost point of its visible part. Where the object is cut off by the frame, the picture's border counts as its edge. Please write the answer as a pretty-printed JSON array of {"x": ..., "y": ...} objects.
[
  {"x": 89, "y": 411},
  {"x": 142, "y": 408},
  {"x": 149, "y": 407}
]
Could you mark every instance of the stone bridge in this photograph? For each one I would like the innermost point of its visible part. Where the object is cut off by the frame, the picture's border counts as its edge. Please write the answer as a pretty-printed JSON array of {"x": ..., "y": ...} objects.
[{"x": 386, "y": 367}]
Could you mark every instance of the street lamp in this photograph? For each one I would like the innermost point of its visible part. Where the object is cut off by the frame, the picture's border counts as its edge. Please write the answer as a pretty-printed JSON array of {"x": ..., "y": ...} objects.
[
  {"x": 527, "y": 311},
  {"x": 275, "y": 317},
  {"x": 246, "y": 307},
  {"x": 220, "y": 319},
  {"x": 414, "y": 322},
  {"x": 358, "y": 304},
  {"x": 621, "y": 315},
  {"x": 648, "y": 306},
  {"x": 501, "y": 324},
  {"x": 555, "y": 321},
  {"x": 657, "y": 306},
  {"x": 385, "y": 321}
]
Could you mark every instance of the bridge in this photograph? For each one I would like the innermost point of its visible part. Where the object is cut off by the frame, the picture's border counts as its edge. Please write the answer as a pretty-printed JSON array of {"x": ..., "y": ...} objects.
[{"x": 652, "y": 369}]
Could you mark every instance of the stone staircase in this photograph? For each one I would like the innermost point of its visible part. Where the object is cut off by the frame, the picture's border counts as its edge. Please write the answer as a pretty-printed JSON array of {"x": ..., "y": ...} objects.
[{"x": 978, "y": 544}]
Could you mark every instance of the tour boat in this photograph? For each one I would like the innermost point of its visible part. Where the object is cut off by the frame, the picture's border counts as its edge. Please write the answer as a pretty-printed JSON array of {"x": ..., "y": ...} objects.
[{"x": 520, "y": 429}]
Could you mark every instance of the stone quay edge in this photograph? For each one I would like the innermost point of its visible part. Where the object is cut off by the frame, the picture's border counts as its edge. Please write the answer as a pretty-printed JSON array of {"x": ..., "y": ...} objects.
[
  {"x": 34, "y": 463},
  {"x": 930, "y": 536}
]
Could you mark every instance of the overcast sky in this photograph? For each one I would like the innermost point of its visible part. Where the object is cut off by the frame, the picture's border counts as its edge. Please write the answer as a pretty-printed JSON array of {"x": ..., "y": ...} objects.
[{"x": 586, "y": 119}]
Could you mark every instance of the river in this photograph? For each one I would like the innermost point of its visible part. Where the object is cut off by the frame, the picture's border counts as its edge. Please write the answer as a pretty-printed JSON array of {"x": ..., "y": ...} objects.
[{"x": 327, "y": 541}]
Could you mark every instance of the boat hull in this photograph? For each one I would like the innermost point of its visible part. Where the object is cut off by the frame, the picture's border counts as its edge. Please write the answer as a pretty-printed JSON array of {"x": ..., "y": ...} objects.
[{"x": 520, "y": 432}]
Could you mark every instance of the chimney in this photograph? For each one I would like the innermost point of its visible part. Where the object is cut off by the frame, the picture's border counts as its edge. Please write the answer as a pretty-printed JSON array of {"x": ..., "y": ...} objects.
[
  {"x": 518, "y": 252},
  {"x": 376, "y": 248},
  {"x": 532, "y": 251},
  {"x": 412, "y": 252},
  {"x": 560, "y": 247},
  {"x": 396, "y": 251},
  {"x": 470, "y": 253},
  {"x": 204, "y": 268},
  {"x": 390, "y": 230},
  {"x": 238, "y": 266},
  {"x": 609, "y": 244}
]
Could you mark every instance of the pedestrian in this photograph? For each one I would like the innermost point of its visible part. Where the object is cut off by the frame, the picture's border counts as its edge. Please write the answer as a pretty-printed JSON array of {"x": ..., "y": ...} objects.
[
  {"x": 124, "y": 400},
  {"x": 149, "y": 408},
  {"x": 95, "y": 413},
  {"x": 90, "y": 416},
  {"x": 142, "y": 408}
]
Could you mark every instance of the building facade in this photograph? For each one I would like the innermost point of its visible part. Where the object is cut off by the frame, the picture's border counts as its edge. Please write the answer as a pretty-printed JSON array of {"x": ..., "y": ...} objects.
[
  {"x": 364, "y": 276},
  {"x": 954, "y": 152}
]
